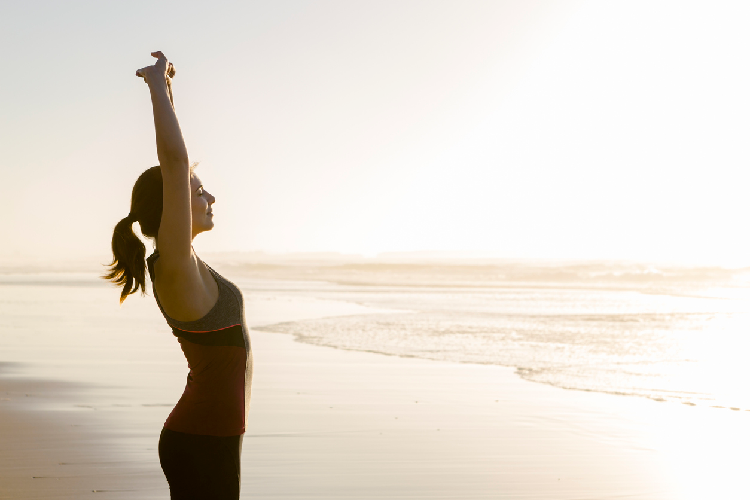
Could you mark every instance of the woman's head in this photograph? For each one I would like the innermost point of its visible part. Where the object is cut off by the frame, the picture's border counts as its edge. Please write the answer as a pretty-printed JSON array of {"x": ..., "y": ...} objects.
[
  {"x": 128, "y": 267},
  {"x": 146, "y": 203}
]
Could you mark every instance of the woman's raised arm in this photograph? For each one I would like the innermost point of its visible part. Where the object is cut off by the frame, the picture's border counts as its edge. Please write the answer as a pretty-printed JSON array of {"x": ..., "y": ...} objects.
[{"x": 174, "y": 241}]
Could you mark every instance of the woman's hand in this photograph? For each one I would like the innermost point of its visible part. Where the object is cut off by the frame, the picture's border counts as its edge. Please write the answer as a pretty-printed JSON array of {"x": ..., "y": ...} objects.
[{"x": 161, "y": 71}]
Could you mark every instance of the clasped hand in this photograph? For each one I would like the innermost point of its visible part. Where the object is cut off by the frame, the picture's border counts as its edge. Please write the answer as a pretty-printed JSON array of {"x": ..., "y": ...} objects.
[{"x": 162, "y": 70}]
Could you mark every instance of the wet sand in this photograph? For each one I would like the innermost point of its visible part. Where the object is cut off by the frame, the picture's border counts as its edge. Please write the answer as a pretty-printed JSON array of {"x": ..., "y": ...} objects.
[
  {"x": 66, "y": 454},
  {"x": 333, "y": 424}
]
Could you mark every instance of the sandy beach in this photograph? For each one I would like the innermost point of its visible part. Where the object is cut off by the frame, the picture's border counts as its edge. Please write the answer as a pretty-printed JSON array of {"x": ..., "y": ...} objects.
[{"x": 328, "y": 423}]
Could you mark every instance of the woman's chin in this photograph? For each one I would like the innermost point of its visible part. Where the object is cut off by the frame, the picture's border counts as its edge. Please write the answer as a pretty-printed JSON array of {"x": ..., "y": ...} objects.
[{"x": 206, "y": 227}]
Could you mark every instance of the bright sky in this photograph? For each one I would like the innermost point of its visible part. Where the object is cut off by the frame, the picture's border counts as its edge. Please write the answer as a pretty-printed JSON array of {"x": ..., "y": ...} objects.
[{"x": 601, "y": 129}]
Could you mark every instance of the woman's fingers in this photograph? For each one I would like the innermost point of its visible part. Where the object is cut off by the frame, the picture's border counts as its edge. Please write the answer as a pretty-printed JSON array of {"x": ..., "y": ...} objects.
[{"x": 161, "y": 58}]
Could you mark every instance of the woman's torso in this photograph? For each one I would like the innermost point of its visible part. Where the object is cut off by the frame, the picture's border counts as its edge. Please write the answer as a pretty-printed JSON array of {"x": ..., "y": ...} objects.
[{"x": 217, "y": 349}]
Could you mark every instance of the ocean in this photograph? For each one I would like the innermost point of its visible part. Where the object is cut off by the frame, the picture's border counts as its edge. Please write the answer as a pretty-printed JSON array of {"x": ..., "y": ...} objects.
[{"x": 673, "y": 334}]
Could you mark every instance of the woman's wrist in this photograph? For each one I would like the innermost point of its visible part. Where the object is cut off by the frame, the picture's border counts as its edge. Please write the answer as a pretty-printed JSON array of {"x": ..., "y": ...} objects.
[{"x": 158, "y": 85}]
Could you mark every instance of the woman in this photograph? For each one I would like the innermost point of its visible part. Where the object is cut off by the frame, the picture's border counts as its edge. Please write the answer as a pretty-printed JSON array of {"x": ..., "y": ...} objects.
[{"x": 200, "y": 445}]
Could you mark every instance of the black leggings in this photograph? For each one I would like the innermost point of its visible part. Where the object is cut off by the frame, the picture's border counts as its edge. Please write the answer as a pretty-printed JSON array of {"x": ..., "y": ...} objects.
[{"x": 201, "y": 467}]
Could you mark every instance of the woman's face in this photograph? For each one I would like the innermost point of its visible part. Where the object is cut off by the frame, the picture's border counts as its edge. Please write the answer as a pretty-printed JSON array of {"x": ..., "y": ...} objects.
[{"x": 200, "y": 205}]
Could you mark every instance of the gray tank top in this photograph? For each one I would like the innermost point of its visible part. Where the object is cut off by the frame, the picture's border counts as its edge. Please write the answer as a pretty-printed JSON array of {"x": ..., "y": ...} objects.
[{"x": 217, "y": 348}]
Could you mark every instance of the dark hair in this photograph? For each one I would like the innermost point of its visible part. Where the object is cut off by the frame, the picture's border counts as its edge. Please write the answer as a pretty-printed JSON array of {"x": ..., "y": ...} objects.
[{"x": 128, "y": 267}]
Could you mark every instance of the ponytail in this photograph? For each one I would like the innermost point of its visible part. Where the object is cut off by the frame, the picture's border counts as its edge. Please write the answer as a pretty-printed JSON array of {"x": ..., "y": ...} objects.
[{"x": 128, "y": 267}]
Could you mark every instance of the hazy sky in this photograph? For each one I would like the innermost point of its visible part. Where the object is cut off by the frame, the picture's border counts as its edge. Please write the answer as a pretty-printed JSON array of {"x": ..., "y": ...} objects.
[{"x": 602, "y": 129}]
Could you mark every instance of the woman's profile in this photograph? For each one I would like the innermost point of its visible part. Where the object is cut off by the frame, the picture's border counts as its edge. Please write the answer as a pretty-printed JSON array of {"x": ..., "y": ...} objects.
[{"x": 201, "y": 442}]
